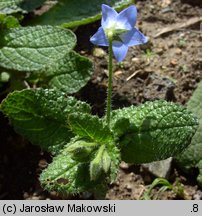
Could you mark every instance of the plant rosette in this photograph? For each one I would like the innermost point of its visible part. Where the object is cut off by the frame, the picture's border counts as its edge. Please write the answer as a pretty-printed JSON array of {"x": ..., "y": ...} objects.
[{"x": 87, "y": 149}]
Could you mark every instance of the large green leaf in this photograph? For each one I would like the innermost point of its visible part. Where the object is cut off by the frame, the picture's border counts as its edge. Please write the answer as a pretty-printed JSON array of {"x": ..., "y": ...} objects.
[
  {"x": 32, "y": 48},
  {"x": 71, "y": 13},
  {"x": 192, "y": 156},
  {"x": 41, "y": 114},
  {"x": 67, "y": 175},
  {"x": 14, "y": 6},
  {"x": 70, "y": 73},
  {"x": 154, "y": 131}
]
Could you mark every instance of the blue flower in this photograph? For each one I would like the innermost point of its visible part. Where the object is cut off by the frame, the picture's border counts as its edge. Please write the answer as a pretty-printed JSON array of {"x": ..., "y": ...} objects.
[{"x": 120, "y": 28}]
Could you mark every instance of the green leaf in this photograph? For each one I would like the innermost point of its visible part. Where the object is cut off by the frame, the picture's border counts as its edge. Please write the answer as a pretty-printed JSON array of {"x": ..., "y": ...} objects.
[
  {"x": 90, "y": 127},
  {"x": 71, "y": 13},
  {"x": 40, "y": 115},
  {"x": 157, "y": 130},
  {"x": 10, "y": 6},
  {"x": 192, "y": 156},
  {"x": 28, "y": 5},
  {"x": 14, "y": 6},
  {"x": 32, "y": 48},
  {"x": 67, "y": 175},
  {"x": 8, "y": 22},
  {"x": 106, "y": 161},
  {"x": 70, "y": 73},
  {"x": 96, "y": 165},
  {"x": 80, "y": 150}
]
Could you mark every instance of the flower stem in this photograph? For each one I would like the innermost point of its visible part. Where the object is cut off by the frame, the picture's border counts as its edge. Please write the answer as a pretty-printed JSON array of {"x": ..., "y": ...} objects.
[{"x": 109, "y": 90}]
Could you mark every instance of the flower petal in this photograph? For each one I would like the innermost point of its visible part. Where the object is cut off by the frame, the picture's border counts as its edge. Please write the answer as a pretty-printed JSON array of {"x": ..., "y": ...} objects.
[
  {"x": 108, "y": 16},
  {"x": 99, "y": 38},
  {"x": 133, "y": 37},
  {"x": 127, "y": 18},
  {"x": 119, "y": 50}
]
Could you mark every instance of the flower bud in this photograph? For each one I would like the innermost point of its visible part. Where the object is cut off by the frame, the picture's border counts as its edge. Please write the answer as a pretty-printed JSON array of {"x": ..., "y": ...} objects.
[
  {"x": 106, "y": 161},
  {"x": 96, "y": 165},
  {"x": 100, "y": 164},
  {"x": 81, "y": 150}
]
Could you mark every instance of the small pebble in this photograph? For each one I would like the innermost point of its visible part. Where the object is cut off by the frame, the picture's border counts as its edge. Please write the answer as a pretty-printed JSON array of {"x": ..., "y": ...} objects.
[
  {"x": 35, "y": 198},
  {"x": 198, "y": 195},
  {"x": 123, "y": 165},
  {"x": 136, "y": 60},
  {"x": 117, "y": 74},
  {"x": 99, "y": 52},
  {"x": 43, "y": 163},
  {"x": 126, "y": 65},
  {"x": 128, "y": 187},
  {"x": 25, "y": 195},
  {"x": 106, "y": 72},
  {"x": 159, "y": 51},
  {"x": 83, "y": 52},
  {"x": 173, "y": 62},
  {"x": 35, "y": 194},
  {"x": 178, "y": 51}
]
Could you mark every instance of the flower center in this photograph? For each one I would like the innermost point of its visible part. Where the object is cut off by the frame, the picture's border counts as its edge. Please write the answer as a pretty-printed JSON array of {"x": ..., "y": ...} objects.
[{"x": 114, "y": 33}]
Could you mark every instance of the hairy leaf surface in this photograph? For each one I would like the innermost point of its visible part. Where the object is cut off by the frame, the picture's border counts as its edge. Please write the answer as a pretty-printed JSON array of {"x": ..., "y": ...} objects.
[
  {"x": 90, "y": 127},
  {"x": 156, "y": 130},
  {"x": 70, "y": 73},
  {"x": 32, "y": 48},
  {"x": 10, "y": 6},
  {"x": 192, "y": 156},
  {"x": 14, "y": 6},
  {"x": 41, "y": 114},
  {"x": 66, "y": 175}
]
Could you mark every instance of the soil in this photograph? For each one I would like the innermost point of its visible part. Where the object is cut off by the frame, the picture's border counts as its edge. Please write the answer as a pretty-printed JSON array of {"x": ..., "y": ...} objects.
[{"x": 168, "y": 67}]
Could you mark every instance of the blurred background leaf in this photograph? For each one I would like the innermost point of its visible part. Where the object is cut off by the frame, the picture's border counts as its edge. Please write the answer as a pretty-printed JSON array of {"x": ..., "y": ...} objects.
[
  {"x": 14, "y": 6},
  {"x": 72, "y": 13},
  {"x": 192, "y": 156}
]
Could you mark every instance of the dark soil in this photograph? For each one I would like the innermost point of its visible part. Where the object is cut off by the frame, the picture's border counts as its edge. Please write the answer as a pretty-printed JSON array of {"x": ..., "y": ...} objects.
[{"x": 168, "y": 67}]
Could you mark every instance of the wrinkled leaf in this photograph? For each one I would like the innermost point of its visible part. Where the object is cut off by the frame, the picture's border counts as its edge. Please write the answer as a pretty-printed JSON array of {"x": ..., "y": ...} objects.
[
  {"x": 90, "y": 127},
  {"x": 192, "y": 156},
  {"x": 14, "y": 6},
  {"x": 32, "y": 48},
  {"x": 157, "y": 130},
  {"x": 80, "y": 150},
  {"x": 93, "y": 129},
  {"x": 40, "y": 115},
  {"x": 71, "y": 13},
  {"x": 70, "y": 73},
  {"x": 66, "y": 175},
  {"x": 106, "y": 160},
  {"x": 10, "y": 6}
]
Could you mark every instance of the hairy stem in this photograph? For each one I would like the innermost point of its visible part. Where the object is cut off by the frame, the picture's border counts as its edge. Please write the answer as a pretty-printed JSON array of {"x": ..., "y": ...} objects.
[{"x": 109, "y": 90}]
